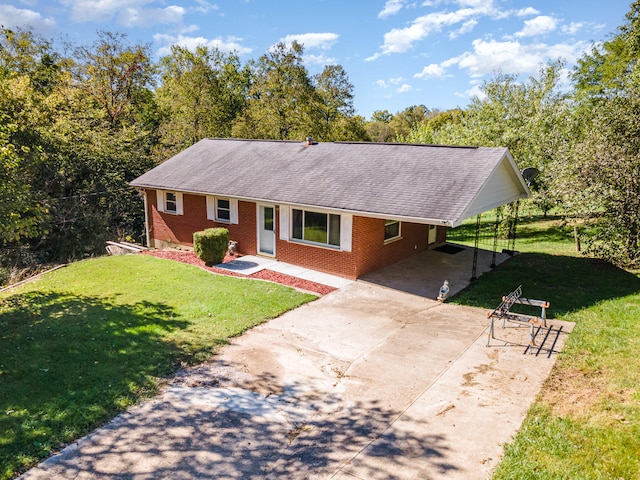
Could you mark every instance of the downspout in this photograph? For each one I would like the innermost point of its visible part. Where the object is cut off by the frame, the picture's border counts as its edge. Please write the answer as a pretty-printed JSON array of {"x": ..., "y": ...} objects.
[{"x": 146, "y": 218}]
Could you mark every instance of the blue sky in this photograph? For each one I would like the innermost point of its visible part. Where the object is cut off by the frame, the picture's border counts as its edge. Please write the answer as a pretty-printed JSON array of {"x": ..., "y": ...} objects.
[{"x": 397, "y": 53}]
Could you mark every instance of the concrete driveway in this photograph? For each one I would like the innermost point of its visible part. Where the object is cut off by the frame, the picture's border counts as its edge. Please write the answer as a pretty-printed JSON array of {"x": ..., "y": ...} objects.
[{"x": 365, "y": 383}]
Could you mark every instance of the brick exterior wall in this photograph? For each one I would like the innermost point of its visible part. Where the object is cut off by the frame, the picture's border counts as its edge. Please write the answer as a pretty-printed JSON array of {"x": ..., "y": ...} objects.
[
  {"x": 322, "y": 259},
  {"x": 369, "y": 251},
  {"x": 171, "y": 230},
  {"x": 373, "y": 253}
]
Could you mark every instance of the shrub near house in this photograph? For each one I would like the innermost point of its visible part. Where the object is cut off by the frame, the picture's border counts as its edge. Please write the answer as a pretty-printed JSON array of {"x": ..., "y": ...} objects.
[{"x": 211, "y": 245}]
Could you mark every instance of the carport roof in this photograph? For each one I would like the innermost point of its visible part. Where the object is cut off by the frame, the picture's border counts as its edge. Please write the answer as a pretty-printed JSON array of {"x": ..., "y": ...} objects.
[{"x": 412, "y": 182}]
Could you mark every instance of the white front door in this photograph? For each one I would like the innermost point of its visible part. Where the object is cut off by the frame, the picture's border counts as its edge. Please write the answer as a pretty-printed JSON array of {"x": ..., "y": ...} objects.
[{"x": 267, "y": 230}]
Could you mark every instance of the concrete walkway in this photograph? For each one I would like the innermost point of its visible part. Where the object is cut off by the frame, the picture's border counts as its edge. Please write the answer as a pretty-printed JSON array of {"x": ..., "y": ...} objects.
[
  {"x": 421, "y": 274},
  {"x": 249, "y": 264},
  {"x": 365, "y": 383}
]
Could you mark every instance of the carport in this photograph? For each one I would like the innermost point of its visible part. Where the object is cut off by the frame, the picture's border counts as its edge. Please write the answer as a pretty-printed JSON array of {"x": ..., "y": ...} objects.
[{"x": 423, "y": 273}]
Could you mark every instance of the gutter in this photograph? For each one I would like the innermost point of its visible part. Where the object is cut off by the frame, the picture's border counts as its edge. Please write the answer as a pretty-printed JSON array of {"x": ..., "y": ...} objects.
[{"x": 303, "y": 206}]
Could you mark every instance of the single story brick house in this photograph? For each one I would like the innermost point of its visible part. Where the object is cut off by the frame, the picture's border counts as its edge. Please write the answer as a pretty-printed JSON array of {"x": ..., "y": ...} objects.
[{"x": 344, "y": 208}]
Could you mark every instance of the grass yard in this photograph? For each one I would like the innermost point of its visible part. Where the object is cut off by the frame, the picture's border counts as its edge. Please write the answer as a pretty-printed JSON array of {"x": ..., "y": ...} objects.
[
  {"x": 585, "y": 424},
  {"x": 85, "y": 342}
]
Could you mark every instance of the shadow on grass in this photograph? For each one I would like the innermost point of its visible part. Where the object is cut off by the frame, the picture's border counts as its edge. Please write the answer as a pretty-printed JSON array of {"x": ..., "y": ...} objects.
[
  {"x": 528, "y": 229},
  {"x": 568, "y": 283},
  {"x": 68, "y": 363}
]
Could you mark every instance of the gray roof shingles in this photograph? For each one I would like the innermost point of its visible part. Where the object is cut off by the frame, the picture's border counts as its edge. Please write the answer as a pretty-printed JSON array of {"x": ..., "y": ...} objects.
[{"x": 399, "y": 180}]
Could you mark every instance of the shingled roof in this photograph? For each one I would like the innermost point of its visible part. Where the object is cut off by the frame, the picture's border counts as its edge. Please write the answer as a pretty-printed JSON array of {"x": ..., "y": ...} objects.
[{"x": 421, "y": 183}]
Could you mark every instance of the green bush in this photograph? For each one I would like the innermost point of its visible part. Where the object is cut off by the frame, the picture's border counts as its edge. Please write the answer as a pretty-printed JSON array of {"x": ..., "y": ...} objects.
[{"x": 211, "y": 245}]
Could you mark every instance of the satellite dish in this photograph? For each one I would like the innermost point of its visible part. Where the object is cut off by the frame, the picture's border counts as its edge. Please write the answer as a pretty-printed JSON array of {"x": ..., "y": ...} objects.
[{"x": 529, "y": 174}]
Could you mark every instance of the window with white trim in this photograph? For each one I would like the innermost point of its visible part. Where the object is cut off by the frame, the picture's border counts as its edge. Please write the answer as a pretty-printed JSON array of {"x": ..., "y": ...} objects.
[
  {"x": 392, "y": 230},
  {"x": 223, "y": 209},
  {"x": 170, "y": 202},
  {"x": 315, "y": 227}
]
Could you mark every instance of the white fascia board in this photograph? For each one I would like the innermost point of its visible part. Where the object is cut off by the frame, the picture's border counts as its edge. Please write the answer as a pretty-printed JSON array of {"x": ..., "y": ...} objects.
[
  {"x": 525, "y": 192},
  {"x": 519, "y": 176},
  {"x": 302, "y": 206}
]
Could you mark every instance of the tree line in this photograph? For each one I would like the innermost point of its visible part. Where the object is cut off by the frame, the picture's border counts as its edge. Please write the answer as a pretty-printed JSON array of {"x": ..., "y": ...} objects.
[{"x": 78, "y": 123}]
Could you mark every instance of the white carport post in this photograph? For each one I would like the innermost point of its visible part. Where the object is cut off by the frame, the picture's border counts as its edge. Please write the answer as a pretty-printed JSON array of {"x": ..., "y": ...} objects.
[{"x": 475, "y": 250}]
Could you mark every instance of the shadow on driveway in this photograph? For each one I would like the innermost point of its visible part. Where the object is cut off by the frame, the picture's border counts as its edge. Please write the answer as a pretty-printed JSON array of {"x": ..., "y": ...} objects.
[{"x": 201, "y": 432}]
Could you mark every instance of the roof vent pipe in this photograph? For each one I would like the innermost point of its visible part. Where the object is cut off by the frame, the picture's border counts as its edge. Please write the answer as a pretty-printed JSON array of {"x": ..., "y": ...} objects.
[{"x": 309, "y": 141}]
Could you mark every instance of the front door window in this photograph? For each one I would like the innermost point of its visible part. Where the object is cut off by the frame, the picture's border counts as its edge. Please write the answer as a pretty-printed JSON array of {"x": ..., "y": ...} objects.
[{"x": 266, "y": 230}]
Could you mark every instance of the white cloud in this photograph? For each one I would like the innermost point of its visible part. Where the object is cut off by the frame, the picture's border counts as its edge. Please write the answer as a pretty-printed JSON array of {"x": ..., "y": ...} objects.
[
  {"x": 573, "y": 28},
  {"x": 399, "y": 40},
  {"x": 513, "y": 57},
  {"x": 474, "y": 91},
  {"x": 229, "y": 44},
  {"x": 101, "y": 10},
  {"x": 538, "y": 26},
  {"x": 129, "y": 13},
  {"x": 391, "y": 82},
  {"x": 525, "y": 12},
  {"x": 189, "y": 29},
  {"x": 480, "y": 5},
  {"x": 405, "y": 88},
  {"x": 323, "y": 41},
  {"x": 467, "y": 27},
  {"x": 205, "y": 7},
  {"x": 11, "y": 16},
  {"x": 391, "y": 7},
  {"x": 319, "y": 60},
  {"x": 431, "y": 72},
  {"x": 132, "y": 17}
]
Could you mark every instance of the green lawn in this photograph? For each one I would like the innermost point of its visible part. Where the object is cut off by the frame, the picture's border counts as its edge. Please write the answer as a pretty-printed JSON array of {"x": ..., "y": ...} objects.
[
  {"x": 585, "y": 424},
  {"x": 87, "y": 341}
]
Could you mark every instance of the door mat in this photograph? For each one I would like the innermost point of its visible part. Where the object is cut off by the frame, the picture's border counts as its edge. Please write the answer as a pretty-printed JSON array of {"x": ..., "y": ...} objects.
[{"x": 450, "y": 249}]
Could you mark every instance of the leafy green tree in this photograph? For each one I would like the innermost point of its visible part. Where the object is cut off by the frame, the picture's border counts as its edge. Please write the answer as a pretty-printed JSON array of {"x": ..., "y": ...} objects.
[
  {"x": 428, "y": 131},
  {"x": 598, "y": 176},
  {"x": 282, "y": 97},
  {"x": 23, "y": 53},
  {"x": 529, "y": 118},
  {"x": 383, "y": 116},
  {"x": 385, "y": 127},
  {"x": 201, "y": 94},
  {"x": 116, "y": 75},
  {"x": 74, "y": 158},
  {"x": 601, "y": 181},
  {"x": 350, "y": 129},
  {"x": 605, "y": 72},
  {"x": 20, "y": 213},
  {"x": 379, "y": 128},
  {"x": 409, "y": 119},
  {"x": 334, "y": 95},
  {"x": 29, "y": 70}
]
